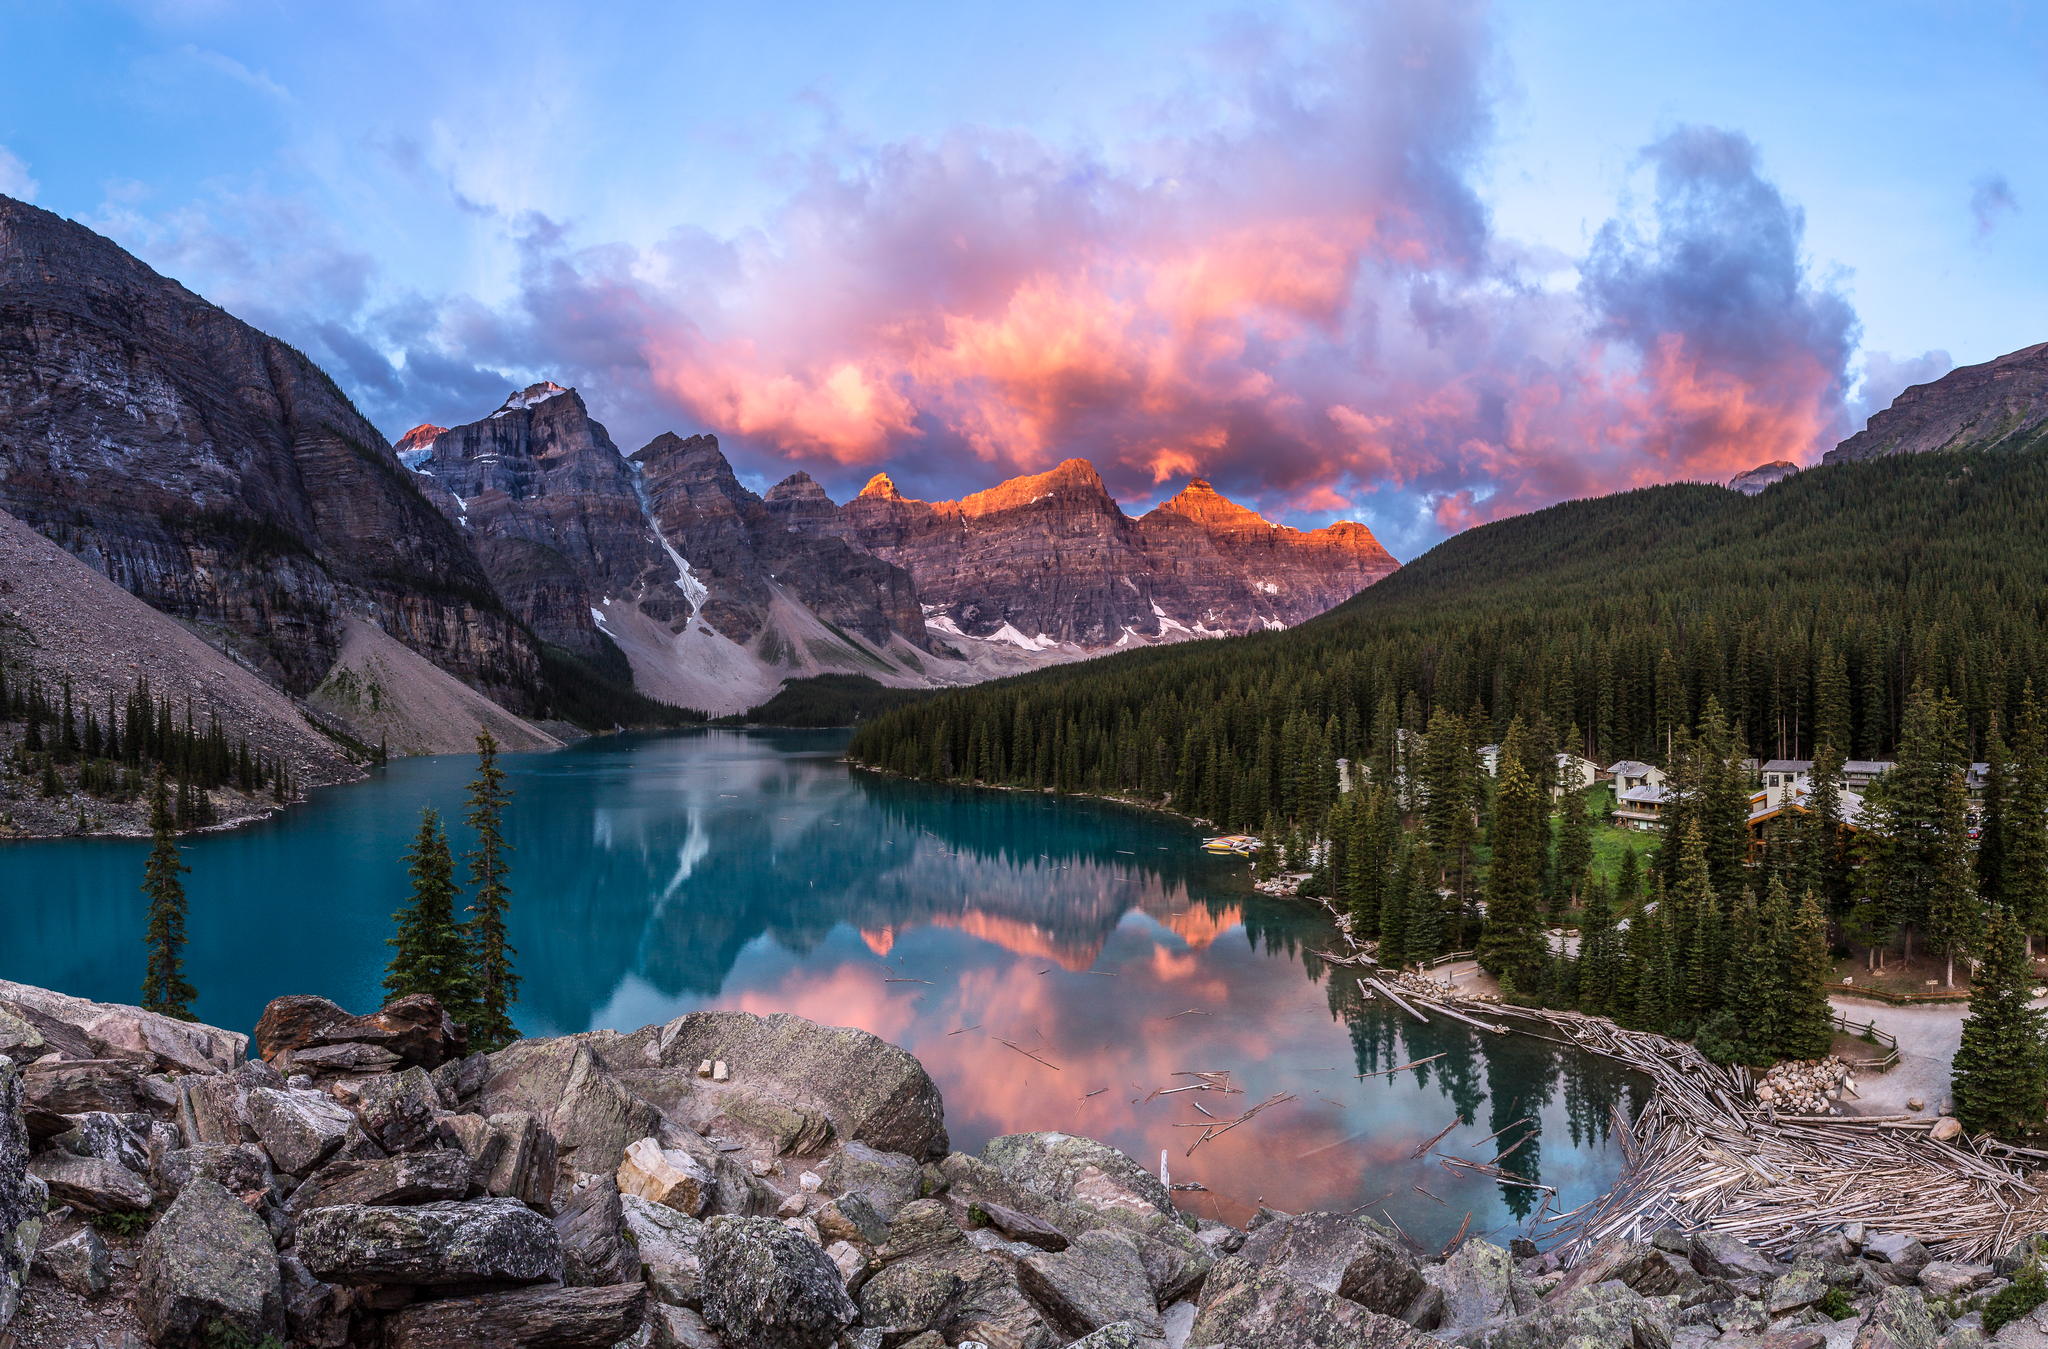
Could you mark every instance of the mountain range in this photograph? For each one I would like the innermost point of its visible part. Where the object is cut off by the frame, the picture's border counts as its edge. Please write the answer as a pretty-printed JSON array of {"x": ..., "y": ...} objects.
[{"x": 219, "y": 476}]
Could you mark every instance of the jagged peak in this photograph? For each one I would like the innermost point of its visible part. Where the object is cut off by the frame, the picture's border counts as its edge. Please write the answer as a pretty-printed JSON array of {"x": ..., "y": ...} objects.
[
  {"x": 532, "y": 395},
  {"x": 1068, "y": 474},
  {"x": 881, "y": 487},
  {"x": 799, "y": 486},
  {"x": 418, "y": 440},
  {"x": 1201, "y": 502}
]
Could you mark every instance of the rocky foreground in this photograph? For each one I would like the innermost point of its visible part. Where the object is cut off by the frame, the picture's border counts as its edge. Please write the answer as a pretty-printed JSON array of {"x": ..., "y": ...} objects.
[{"x": 731, "y": 1181}]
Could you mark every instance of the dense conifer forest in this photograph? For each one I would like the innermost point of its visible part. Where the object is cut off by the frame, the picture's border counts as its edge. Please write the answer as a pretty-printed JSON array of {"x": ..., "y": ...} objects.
[{"x": 1808, "y": 613}]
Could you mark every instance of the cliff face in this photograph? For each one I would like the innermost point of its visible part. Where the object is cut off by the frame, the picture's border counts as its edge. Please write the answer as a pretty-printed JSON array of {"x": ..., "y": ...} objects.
[
  {"x": 1999, "y": 404},
  {"x": 1051, "y": 558},
  {"x": 217, "y": 474},
  {"x": 741, "y": 550},
  {"x": 553, "y": 512}
]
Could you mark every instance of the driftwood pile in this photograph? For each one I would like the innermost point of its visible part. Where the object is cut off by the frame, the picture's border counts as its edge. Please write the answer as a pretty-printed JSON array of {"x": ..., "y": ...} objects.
[{"x": 1703, "y": 1155}]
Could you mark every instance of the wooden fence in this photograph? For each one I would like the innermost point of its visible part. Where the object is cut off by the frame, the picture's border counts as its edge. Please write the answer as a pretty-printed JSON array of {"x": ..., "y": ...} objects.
[{"x": 1883, "y": 1039}]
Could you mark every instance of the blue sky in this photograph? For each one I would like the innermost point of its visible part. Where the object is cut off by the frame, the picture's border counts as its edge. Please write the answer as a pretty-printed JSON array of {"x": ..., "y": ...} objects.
[{"x": 1418, "y": 264}]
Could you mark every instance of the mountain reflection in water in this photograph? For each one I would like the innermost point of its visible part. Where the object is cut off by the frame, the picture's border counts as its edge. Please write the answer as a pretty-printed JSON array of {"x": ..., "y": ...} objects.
[{"x": 659, "y": 874}]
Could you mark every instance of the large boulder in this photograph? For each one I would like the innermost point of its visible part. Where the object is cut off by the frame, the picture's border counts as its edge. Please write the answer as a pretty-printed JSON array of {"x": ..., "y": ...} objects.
[
  {"x": 511, "y": 1155},
  {"x": 769, "y": 1288},
  {"x": 414, "y": 1031},
  {"x": 21, "y": 1197},
  {"x": 1479, "y": 1284},
  {"x": 1900, "y": 1319},
  {"x": 395, "y": 1109},
  {"x": 241, "y": 1168},
  {"x": 887, "y": 1180},
  {"x": 664, "y": 1244},
  {"x": 80, "y": 1262},
  {"x": 1077, "y": 1171},
  {"x": 1607, "y": 1314},
  {"x": 869, "y": 1089},
  {"x": 299, "y": 1129},
  {"x": 591, "y": 1223},
  {"x": 534, "y": 1318},
  {"x": 1175, "y": 1259},
  {"x": 155, "y": 1042},
  {"x": 1722, "y": 1255},
  {"x": 1354, "y": 1258},
  {"x": 53, "y": 1092},
  {"x": 121, "y": 1139},
  {"x": 936, "y": 1280},
  {"x": 411, "y": 1178},
  {"x": 91, "y": 1185},
  {"x": 1244, "y": 1304},
  {"x": 1097, "y": 1281},
  {"x": 208, "y": 1259},
  {"x": 567, "y": 1088},
  {"x": 430, "y": 1245}
]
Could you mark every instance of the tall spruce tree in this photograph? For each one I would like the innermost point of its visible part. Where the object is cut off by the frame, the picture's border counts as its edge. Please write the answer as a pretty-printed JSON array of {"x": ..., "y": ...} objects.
[
  {"x": 1918, "y": 871},
  {"x": 429, "y": 954},
  {"x": 2001, "y": 1083},
  {"x": 164, "y": 987},
  {"x": 1805, "y": 1023},
  {"x": 1574, "y": 853},
  {"x": 2023, "y": 850},
  {"x": 1511, "y": 943},
  {"x": 497, "y": 987}
]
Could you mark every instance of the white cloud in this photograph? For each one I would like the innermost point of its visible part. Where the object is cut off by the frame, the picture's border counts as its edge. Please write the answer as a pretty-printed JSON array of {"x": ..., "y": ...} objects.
[{"x": 14, "y": 178}]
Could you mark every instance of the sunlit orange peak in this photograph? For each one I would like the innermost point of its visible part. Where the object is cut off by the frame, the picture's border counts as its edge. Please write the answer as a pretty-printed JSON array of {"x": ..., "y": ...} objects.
[{"x": 881, "y": 485}]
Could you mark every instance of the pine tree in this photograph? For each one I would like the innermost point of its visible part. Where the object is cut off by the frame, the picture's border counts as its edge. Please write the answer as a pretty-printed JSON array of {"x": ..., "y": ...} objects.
[
  {"x": 1805, "y": 1023},
  {"x": 164, "y": 987},
  {"x": 497, "y": 987},
  {"x": 2024, "y": 848},
  {"x": 1574, "y": 853},
  {"x": 1597, "y": 956},
  {"x": 1994, "y": 830},
  {"x": 2001, "y": 1083},
  {"x": 429, "y": 954},
  {"x": 1511, "y": 944}
]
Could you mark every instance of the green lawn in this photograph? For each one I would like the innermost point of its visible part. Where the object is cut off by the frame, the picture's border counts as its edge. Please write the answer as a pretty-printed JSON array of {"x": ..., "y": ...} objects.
[{"x": 1610, "y": 841}]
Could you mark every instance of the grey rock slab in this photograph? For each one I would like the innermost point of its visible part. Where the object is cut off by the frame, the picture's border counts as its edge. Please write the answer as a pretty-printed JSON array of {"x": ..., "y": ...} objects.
[
  {"x": 887, "y": 1180},
  {"x": 1944, "y": 1278},
  {"x": 1098, "y": 1280},
  {"x": 397, "y": 1109},
  {"x": 409, "y": 1178},
  {"x": 664, "y": 1242},
  {"x": 79, "y": 1262},
  {"x": 208, "y": 1258},
  {"x": 1721, "y": 1256},
  {"x": 871, "y": 1090},
  {"x": 90, "y": 1184},
  {"x": 1479, "y": 1283},
  {"x": 1245, "y": 1305},
  {"x": 590, "y": 1221},
  {"x": 1354, "y": 1258},
  {"x": 541, "y": 1318},
  {"x": 1899, "y": 1319},
  {"x": 1078, "y": 1171},
  {"x": 766, "y": 1286},
  {"x": 22, "y": 1196},
  {"x": 121, "y": 1139},
  {"x": 1896, "y": 1248},
  {"x": 480, "y": 1241},
  {"x": 243, "y": 1168},
  {"x": 299, "y": 1129},
  {"x": 150, "y": 1039},
  {"x": 570, "y": 1092},
  {"x": 1607, "y": 1315}
]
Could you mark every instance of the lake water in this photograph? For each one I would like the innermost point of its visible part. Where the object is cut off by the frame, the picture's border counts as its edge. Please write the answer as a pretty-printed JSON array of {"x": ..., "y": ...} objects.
[{"x": 660, "y": 874}]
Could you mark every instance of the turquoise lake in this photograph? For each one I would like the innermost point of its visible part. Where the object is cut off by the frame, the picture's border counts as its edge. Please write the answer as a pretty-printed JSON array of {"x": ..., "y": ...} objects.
[{"x": 659, "y": 874}]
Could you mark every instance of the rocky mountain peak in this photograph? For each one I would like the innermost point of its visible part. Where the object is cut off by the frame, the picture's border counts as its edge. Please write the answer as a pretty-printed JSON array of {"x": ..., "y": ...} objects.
[
  {"x": 2000, "y": 404},
  {"x": 1202, "y": 503},
  {"x": 415, "y": 445},
  {"x": 531, "y": 396},
  {"x": 1762, "y": 476},
  {"x": 1069, "y": 481},
  {"x": 881, "y": 487},
  {"x": 798, "y": 487}
]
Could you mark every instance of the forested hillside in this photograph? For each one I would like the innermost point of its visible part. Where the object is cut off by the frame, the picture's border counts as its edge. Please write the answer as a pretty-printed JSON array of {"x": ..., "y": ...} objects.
[{"x": 1807, "y": 612}]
